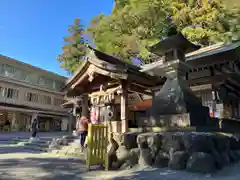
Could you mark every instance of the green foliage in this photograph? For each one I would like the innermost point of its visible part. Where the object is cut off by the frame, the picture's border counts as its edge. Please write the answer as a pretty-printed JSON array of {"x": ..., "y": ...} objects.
[
  {"x": 133, "y": 25},
  {"x": 206, "y": 22},
  {"x": 74, "y": 48}
]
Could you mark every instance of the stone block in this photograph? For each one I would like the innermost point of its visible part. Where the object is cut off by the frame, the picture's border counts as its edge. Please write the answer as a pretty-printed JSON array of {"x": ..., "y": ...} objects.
[
  {"x": 122, "y": 155},
  {"x": 173, "y": 141},
  {"x": 178, "y": 160},
  {"x": 129, "y": 140},
  {"x": 198, "y": 142},
  {"x": 171, "y": 120},
  {"x": 201, "y": 162},
  {"x": 146, "y": 157},
  {"x": 162, "y": 159}
]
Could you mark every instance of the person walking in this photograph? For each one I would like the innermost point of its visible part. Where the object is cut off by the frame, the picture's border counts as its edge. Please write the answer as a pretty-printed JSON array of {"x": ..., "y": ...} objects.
[
  {"x": 34, "y": 128},
  {"x": 82, "y": 129}
]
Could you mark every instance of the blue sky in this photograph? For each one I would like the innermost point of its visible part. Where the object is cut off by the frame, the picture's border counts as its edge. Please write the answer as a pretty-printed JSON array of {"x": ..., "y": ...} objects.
[{"x": 32, "y": 30}]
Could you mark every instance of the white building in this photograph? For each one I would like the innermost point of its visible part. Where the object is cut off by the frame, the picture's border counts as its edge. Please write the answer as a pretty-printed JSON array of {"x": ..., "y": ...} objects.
[{"x": 27, "y": 92}]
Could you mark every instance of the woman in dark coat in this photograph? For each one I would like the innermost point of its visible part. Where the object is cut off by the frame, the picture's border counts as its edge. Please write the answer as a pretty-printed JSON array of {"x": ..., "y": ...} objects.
[{"x": 34, "y": 128}]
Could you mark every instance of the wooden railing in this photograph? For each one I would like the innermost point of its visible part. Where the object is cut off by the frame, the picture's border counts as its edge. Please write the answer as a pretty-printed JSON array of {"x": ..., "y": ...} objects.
[{"x": 97, "y": 145}]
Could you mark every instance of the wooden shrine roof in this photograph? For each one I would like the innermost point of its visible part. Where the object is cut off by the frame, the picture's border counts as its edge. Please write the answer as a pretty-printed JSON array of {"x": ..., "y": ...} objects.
[
  {"x": 102, "y": 67},
  {"x": 71, "y": 103},
  {"x": 207, "y": 56},
  {"x": 212, "y": 50}
]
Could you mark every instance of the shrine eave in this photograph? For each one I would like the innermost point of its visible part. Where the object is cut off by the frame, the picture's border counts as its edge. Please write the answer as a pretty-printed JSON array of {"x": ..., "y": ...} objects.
[
  {"x": 71, "y": 103},
  {"x": 206, "y": 56},
  {"x": 100, "y": 64},
  {"x": 212, "y": 50}
]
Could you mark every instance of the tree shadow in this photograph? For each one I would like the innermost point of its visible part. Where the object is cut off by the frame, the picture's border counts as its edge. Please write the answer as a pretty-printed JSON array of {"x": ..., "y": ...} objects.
[
  {"x": 158, "y": 173},
  {"x": 43, "y": 168},
  {"x": 17, "y": 149}
]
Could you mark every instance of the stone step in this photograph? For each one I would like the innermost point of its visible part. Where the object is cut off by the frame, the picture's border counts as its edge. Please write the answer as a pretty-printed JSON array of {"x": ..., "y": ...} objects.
[
  {"x": 42, "y": 144},
  {"x": 69, "y": 151},
  {"x": 5, "y": 142},
  {"x": 36, "y": 144},
  {"x": 46, "y": 138},
  {"x": 17, "y": 141},
  {"x": 4, "y": 139},
  {"x": 36, "y": 148},
  {"x": 40, "y": 141}
]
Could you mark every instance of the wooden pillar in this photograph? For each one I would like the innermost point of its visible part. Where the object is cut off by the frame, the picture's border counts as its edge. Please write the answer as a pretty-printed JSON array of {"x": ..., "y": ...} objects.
[
  {"x": 212, "y": 73},
  {"x": 70, "y": 123},
  {"x": 85, "y": 105},
  {"x": 14, "y": 121},
  {"x": 124, "y": 105}
]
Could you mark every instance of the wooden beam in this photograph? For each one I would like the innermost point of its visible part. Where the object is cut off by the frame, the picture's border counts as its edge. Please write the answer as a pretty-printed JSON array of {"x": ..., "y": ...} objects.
[
  {"x": 138, "y": 89},
  {"x": 81, "y": 78},
  {"x": 228, "y": 75},
  {"x": 232, "y": 86},
  {"x": 145, "y": 81},
  {"x": 124, "y": 105},
  {"x": 85, "y": 105},
  {"x": 207, "y": 80},
  {"x": 212, "y": 71},
  {"x": 212, "y": 59}
]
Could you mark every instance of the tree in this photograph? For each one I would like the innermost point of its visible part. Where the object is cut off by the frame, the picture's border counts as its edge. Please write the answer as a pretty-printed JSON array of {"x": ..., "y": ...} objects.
[
  {"x": 206, "y": 22},
  {"x": 133, "y": 25},
  {"x": 74, "y": 49},
  {"x": 232, "y": 3}
]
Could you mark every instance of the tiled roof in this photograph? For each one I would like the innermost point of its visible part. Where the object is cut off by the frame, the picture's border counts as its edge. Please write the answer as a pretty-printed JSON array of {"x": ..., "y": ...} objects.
[{"x": 211, "y": 50}]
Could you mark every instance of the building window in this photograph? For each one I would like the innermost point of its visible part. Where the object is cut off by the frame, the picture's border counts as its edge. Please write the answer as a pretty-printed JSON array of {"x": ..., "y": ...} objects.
[
  {"x": 10, "y": 93},
  {"x": 58, "y": 85},
  {"x": 49, "y": 83},
  {"x": 32, "y": 78},
  {"x": 1, "y": 69},
  {"x": 1, "y": 91},
  {"x": 45, "y": 99},
  {"x": 18, "y": 74},
  {"x": 34, "y": 97},
  {"x": 29, "y": 76},
  {"x": 58, "y": 102},
  {"x": 43, "y": 81},
  {"x": 9, "y": 70},
  {"x": 31, "y": 97}
]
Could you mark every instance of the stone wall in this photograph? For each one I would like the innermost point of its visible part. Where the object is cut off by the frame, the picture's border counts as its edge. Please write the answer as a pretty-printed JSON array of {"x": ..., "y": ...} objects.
[
  {"x": 221, "y": 125},
  {"x": 211, "y": 125},
  {"x": 191, "y": 151}
]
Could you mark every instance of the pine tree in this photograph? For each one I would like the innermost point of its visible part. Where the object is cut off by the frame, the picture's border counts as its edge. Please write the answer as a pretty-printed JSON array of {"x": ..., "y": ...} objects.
[{"x": 74, "y": 49}]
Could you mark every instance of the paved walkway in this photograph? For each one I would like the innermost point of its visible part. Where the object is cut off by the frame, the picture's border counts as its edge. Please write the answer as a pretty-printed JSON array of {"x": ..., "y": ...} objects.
[
  {"x": 10, "y": 135},
  {"x": 18, "y": 163}
]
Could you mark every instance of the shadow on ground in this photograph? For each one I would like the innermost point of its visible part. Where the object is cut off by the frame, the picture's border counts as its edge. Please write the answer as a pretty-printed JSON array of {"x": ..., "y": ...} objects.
[
  {"x": 228, "y": 173},
  {"x": 71, "y": 169},
  {"x": 17, "y": 149},
  {"x": 42, "y": 168}
]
